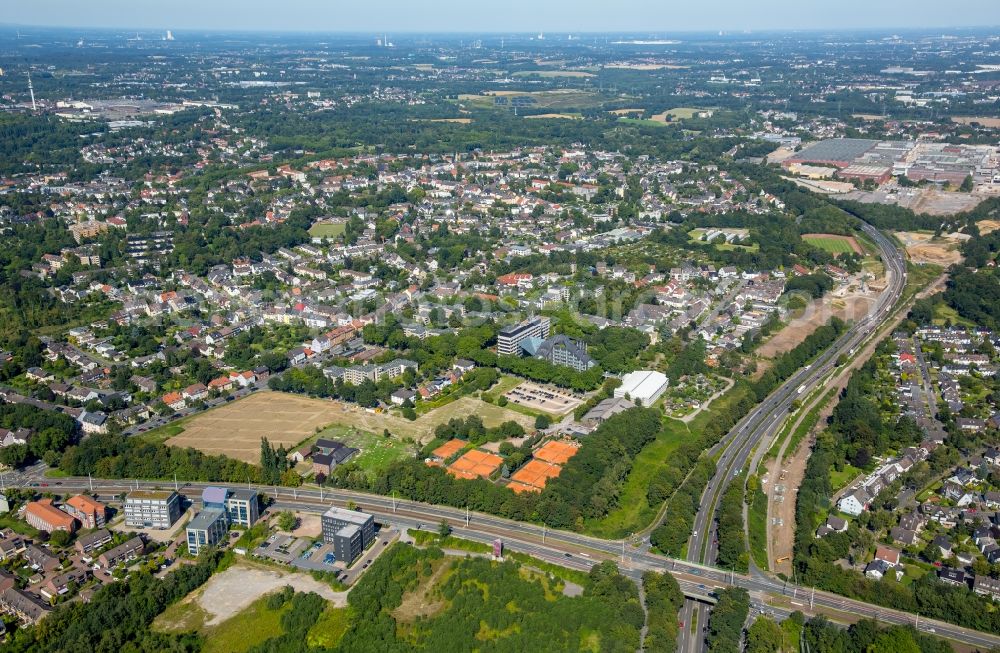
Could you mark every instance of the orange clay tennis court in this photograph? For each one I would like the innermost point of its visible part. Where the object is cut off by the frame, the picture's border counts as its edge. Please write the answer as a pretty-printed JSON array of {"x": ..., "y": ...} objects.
[
  {"x": 536, "y": 473},
  {"x": 555, "y": 452},
  {"x": 518, "y": 487},
  {"x": 449, "y": 449},
  {"x": 475, "y": 464}
]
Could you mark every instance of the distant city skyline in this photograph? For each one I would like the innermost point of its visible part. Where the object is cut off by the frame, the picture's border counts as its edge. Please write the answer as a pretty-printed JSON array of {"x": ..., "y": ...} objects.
[{"x": 406, "y": 16}]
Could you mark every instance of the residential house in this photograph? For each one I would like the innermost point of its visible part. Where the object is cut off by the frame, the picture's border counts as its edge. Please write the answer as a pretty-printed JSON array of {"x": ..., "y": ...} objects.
[
  {"x": 297, "y": 356},
  {"x": 943, "y": 544},
  {"x": 400, "y": 397},
  {"x": 986, "y": 586},
  {"x": 39, "y": 375},
  {"x": 952, "y": 576},
  {"x": 174, "y": 400},
  {"x": 854, "y": 503},
  {"x": 20, "y": 603},
  {"x": 92, "y": 541},
  {"x": 889, "y": 555},
  {"x": 59, "y": 585},
  {"x": 903, "y": 536},
  {"x": 40, "y": 558},
  {"x": 833, "y": 524},
  {"x": 130, "y": 550},
  {"x": 195, "y": 392},
  {"x": 11, "y": 544},
  {"x": 221, "y": 384},
  {"x": 17, "y": 436},
  {"x": 94, "y": 422},
  {"x": 330, "y": 453},
  {"x": 877, "y": 569}
]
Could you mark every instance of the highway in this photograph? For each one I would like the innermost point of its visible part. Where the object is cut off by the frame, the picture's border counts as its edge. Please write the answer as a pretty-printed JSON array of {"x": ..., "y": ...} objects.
[
  {"x": 760, "y": 425},
  {"x": 696, "y": 575},
  {"x": 565, "y": 548}
]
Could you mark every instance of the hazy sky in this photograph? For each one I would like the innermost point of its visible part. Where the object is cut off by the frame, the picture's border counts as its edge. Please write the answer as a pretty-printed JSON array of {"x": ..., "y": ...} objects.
[{"x": 502, "y": 15}]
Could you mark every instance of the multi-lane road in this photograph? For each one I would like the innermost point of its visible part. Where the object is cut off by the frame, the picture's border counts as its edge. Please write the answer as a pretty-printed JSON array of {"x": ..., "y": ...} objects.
[
  {"x": 760, "y": 425},
  {"x": 562, "y": 547}
]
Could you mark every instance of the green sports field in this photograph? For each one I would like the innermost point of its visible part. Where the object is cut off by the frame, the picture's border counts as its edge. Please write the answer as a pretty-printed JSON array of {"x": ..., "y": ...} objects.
[
  {"x": 326, "y": 230},
  {"x": 832, "y": 243}
]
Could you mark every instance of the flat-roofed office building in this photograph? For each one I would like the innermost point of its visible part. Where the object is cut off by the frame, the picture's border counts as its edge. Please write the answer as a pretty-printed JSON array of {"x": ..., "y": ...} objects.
[
  {"x": 243, "y": 507},
  {"x": 152, "y": 508},
  {"x": 349, "y": 531},
  {"x": 510, "y": 338},
  {"x": 208, "y": 528}
]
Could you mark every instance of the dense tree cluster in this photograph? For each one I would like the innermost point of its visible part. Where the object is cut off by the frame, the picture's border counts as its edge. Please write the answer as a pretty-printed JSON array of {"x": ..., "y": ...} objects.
[
  {"x": 117, "y": 456},
  {"x": 975, "y": 295},
  {"x": 591, "y": 481},
  {"x": 732, "y": 539},
  {"x": 690, "y": 360},
  {"x": 53, "y": 433},
  {"x": 765, "y": 636},
  {"x": 891, "y": 217},
  {"x": 273, "y": 462},
  {"x": 725, "y": 624},
  {"x": 472, "y": 428},
  {"x": 670, "y": 536},
  {"x": 820, "y": 634},
  {"x": 857, "y": 422},
  {"x": 310, "y": 380},
  {"x": 490, "y": 607},
  {"x": 26, "y": 304},
  {"x": 303, "y": 611},
  {"x": 541, "y": 370},
  {"x": 664, "y": 600},
  {"x": 616, "y": 348},
  {"x": 815, "y": 285}
]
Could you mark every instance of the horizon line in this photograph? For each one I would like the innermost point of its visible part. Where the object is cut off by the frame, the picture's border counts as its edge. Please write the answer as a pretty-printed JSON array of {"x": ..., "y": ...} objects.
[{"x": 519, "y": 32}]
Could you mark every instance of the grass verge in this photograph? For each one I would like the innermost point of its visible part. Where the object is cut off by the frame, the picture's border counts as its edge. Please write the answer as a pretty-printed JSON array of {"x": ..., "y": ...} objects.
[
  {"x": 633, "y": 511},
  {"x": 251, "y": 627}
]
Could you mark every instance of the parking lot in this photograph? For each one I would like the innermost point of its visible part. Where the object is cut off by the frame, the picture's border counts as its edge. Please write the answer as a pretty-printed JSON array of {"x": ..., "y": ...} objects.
[
  {"x": 385, "y": 537},
  {"x": 543, "y": 398},
  {"x": 303, "y": 553}
]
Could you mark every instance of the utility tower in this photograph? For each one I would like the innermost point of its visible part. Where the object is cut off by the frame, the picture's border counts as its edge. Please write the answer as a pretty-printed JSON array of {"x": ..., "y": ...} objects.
[{"x": 31, "y": 90}]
